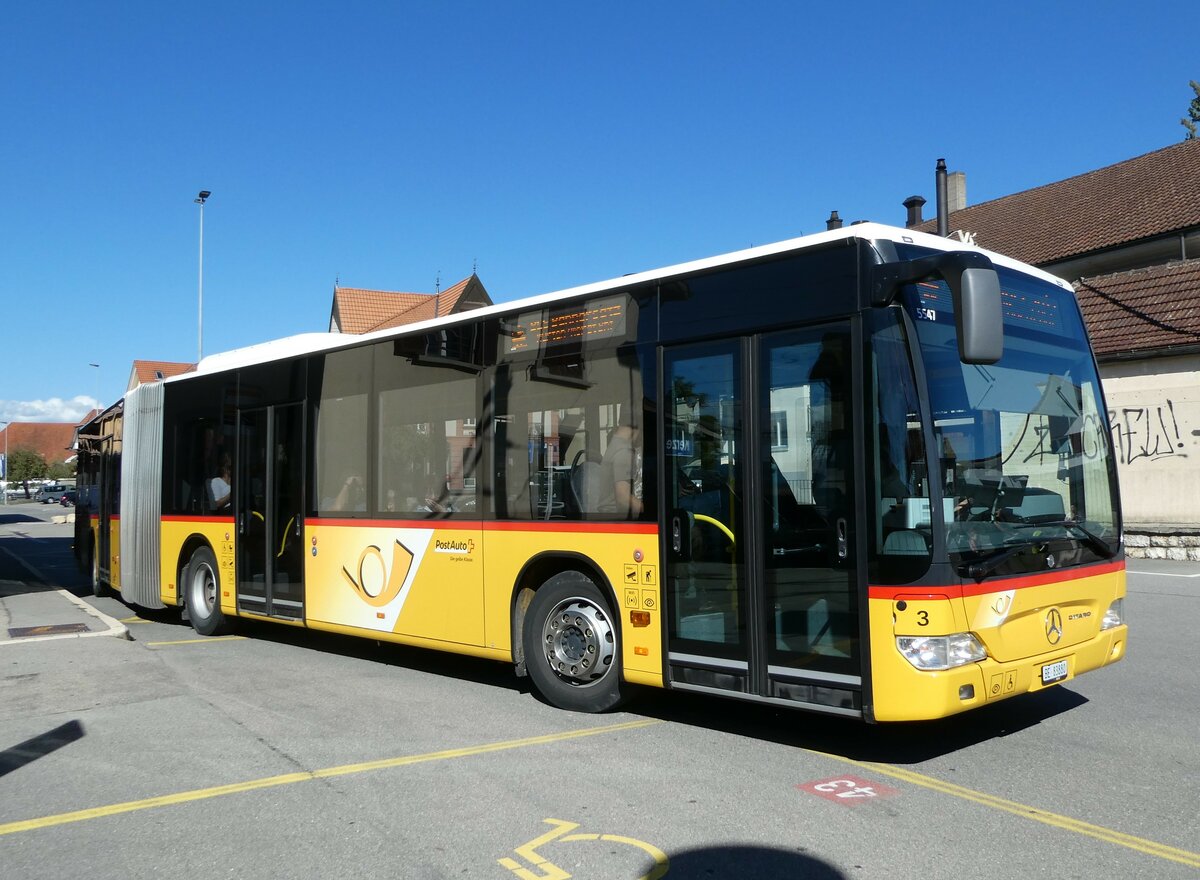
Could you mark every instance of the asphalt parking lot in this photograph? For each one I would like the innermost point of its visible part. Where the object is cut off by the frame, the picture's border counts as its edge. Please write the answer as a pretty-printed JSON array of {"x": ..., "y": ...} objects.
[{"x": 279, "y": 752}]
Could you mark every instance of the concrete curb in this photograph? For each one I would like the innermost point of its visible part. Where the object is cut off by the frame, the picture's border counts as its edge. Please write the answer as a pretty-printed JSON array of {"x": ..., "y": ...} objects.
[{"x": 113, "y": 626}]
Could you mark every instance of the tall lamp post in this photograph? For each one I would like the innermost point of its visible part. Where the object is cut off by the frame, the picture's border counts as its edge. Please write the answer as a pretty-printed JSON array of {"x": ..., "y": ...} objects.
[
  {"x": 6, "y": 427},
  {"x": 97, "y": 366},
  {"x": 200, "y": 200}
]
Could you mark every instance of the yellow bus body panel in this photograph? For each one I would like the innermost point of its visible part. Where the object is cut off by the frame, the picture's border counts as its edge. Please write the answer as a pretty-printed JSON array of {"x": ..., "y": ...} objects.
[
  {"x": 409, "y": 579},
  {"x": 447, "y": 585},
  {"x": 220, "y": 536},
  {"x": 626, "y": 556},
  {"x": 1011, "y": 622},
  {"x": 114, "y": 553}
]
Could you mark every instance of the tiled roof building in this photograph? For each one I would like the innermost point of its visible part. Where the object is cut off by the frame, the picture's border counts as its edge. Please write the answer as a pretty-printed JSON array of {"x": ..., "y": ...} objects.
[
  {"x": 1150, "y": 197},
  {"x": 53, "y": 440},
  {"x": 1153, "y": 311},
  {"x": 153, "y": 371},
  {"x": 356, "y": 310}
]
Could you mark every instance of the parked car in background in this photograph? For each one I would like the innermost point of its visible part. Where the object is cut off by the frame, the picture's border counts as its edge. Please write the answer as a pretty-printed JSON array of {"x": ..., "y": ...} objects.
[
  {"x": 68, "y": 498},
  {"x": 50, "y": 493}
]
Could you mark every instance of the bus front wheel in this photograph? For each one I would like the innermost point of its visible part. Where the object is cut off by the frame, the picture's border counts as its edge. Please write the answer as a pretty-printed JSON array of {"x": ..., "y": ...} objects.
[
  {"x": 570, "y": 641},
  {"x": 202, "y": 595}
]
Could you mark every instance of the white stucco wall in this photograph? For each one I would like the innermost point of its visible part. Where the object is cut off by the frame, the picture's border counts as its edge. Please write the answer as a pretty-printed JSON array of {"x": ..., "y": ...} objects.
[{"x": 1154, "y": 415}]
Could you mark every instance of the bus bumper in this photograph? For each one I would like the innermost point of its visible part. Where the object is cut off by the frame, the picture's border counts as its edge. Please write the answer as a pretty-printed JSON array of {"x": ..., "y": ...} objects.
[{"x": 903, "y": 693}]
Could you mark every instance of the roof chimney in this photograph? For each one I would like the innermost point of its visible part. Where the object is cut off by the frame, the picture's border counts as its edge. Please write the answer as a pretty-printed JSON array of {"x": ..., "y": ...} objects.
[
  {"x": 956, "y": 191},
  {"x": 943, "y": 212},
  {"x": 914, "y": 205},
  {"x": 834, "y": 221}
]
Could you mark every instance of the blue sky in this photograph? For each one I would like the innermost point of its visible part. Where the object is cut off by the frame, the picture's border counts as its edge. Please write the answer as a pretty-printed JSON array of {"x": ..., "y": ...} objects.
[{"x": 551, "y": 144}]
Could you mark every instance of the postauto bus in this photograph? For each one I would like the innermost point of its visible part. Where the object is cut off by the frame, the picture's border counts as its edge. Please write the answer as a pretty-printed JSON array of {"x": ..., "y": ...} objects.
[{"x": 865, "y": 472}]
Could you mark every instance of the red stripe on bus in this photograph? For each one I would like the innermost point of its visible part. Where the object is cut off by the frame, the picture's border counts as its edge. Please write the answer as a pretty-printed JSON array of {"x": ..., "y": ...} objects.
[
  {"x": 993, "y": 585},
  {"x": 228, "y": 520},
  {"x": 477, "y": 525},
  {"x": 578, "y": 527}
]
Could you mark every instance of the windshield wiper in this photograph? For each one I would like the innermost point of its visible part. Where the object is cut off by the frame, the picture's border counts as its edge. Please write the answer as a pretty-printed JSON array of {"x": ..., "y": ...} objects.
[
  {"x": 1091, "y": 539},
  {"x": 983, "y": 567}
]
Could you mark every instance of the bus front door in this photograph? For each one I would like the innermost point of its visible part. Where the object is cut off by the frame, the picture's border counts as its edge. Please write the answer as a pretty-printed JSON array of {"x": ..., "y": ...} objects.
[
  {"x": 269, "y": 485},
  {"x": 762, "y": 582}
]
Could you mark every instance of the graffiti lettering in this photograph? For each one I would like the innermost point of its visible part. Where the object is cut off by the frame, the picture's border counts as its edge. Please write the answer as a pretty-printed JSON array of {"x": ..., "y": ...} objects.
[{"x": 1146, "y": 433}]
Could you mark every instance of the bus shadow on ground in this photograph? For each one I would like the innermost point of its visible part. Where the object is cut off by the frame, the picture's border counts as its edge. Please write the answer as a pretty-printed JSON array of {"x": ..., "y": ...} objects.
[
  {"x": 897, "y": 743},
  {"x": 47, "y": 563},
  {"x": 12, "y": 519},
  {"x": 894, "y": 743},
  {"x": 424, "y": 660}
]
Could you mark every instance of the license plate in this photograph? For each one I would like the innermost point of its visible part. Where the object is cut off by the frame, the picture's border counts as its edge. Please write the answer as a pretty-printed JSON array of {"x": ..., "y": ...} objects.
[{"x": 1053, "y": 672}]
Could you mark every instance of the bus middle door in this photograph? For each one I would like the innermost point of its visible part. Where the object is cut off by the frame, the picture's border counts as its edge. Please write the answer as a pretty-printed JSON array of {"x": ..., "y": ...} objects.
[{"x": 269, "y": 485}]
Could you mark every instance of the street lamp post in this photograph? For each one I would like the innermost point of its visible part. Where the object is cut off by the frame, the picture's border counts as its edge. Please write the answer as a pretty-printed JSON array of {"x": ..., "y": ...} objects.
[
  {"x": 6, "y": 480},
  {"x": 200, "y": 200},
  {"x": 97, "y": 366}
]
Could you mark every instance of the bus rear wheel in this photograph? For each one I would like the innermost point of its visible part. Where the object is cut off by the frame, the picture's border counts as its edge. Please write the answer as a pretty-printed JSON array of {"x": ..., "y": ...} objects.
[
  {"x": 98, "y": 588},
  {"x": 571, "y": 645},
  {"x": 202, "y": 593}
]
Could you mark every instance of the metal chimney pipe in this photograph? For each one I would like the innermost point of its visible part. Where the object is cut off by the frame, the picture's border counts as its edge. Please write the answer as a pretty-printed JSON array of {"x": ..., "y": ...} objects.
[{"x": 943, "y": 211}]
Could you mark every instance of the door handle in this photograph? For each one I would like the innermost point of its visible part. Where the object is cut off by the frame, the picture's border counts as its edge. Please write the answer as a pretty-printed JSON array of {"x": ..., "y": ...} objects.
[{"x": 842, "y": 548}]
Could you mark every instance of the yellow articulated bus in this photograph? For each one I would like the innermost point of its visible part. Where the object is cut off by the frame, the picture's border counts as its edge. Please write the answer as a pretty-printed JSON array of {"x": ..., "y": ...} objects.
[{"x": 865, "y": 472}]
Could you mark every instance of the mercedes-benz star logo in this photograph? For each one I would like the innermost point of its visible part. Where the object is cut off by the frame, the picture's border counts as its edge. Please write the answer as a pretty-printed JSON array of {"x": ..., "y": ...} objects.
[{"x": 1054, "y": 628}]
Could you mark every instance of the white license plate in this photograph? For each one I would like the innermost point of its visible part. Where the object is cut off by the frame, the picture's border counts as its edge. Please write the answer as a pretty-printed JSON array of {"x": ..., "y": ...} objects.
[{"x": 1053, "y": 672}]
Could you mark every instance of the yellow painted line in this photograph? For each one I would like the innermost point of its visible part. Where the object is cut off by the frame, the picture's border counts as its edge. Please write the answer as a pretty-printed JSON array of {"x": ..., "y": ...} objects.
[
  {"x": 1066, "y": 823},
  {"x": 134, "y": 620},
  {"x": 202, "y": 641},
  {"x": 200, "y": 794}
]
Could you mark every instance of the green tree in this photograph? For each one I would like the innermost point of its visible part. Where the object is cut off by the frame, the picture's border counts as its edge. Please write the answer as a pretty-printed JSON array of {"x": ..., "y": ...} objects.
[
  {"x": 26, "y": 464},
  {"x": 1193, "y": 116},
  {"x": 61, "y": 470}
]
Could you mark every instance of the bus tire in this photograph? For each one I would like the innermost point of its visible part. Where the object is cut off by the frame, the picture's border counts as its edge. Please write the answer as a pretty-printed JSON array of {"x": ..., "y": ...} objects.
[
  {"x": 202, "y": 594},
  {"x": 94, "y": 564},
  {"x": 571, "y": 645}
]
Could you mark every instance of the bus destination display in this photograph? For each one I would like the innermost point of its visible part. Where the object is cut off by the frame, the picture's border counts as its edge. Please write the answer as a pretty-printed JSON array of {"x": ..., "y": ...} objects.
[{"x": 593, "y": 320}]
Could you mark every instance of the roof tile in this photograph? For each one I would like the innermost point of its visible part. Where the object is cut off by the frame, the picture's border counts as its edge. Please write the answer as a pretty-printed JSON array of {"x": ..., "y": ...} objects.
[
  {"x": 1139, "y": 198},
  {"x": 1143, "y": 309}
]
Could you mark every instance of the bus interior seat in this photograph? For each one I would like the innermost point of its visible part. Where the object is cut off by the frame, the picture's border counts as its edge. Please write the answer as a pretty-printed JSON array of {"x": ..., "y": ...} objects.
[
  {"x": 905, "y": 542},
  {"x": 585, "y": 484}
]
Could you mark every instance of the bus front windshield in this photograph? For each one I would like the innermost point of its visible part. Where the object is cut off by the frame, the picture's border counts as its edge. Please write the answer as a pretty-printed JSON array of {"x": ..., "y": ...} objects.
[{"x": 1027, "y": 473}]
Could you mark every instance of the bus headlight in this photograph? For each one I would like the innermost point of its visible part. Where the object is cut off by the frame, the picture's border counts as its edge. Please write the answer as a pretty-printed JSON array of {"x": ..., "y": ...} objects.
[
  {"x": 1114, "y": 616},
  {"x": 941, "y": 652}
]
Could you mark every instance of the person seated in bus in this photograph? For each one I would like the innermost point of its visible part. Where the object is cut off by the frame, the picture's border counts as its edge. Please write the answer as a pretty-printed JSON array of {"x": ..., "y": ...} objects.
[
  {"x": 351, "y": 496},
  {"x": 220, "y": 486},
  {"x": 436, "y": 500},
  {"x": 620, "y": 482}
]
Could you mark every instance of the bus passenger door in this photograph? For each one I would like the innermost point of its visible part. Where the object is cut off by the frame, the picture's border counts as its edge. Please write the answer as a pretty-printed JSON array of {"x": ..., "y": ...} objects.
[
  {"x": 761, "y": 575},
  {"x": 269, "y": 485}
]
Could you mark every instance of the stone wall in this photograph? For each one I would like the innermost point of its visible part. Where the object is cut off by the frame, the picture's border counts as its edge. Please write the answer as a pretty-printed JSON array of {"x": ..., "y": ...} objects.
[{"x": 1165, "y": 541}]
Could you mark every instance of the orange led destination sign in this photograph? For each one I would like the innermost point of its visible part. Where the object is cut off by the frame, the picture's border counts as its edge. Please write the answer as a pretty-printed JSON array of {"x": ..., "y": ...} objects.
[{"x": 544, "y": 328}]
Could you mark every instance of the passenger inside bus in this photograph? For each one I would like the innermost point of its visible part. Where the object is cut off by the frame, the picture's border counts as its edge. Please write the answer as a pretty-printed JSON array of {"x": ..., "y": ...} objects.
[
  {"x": 620, "y": 483},
  {"x": 219, "y": 487},
  {"x": 351, "y": 496}
]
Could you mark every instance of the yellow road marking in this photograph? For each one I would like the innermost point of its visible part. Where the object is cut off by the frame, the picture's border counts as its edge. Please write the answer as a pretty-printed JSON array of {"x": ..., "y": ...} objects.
[
  {"x": 134, "y": 620},
  {"x": 200, "y": 794},
  {"x": 550, "y": 871},
  {"x": 1140, "y": 844},
  {"x": 202, "y": 641}
]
